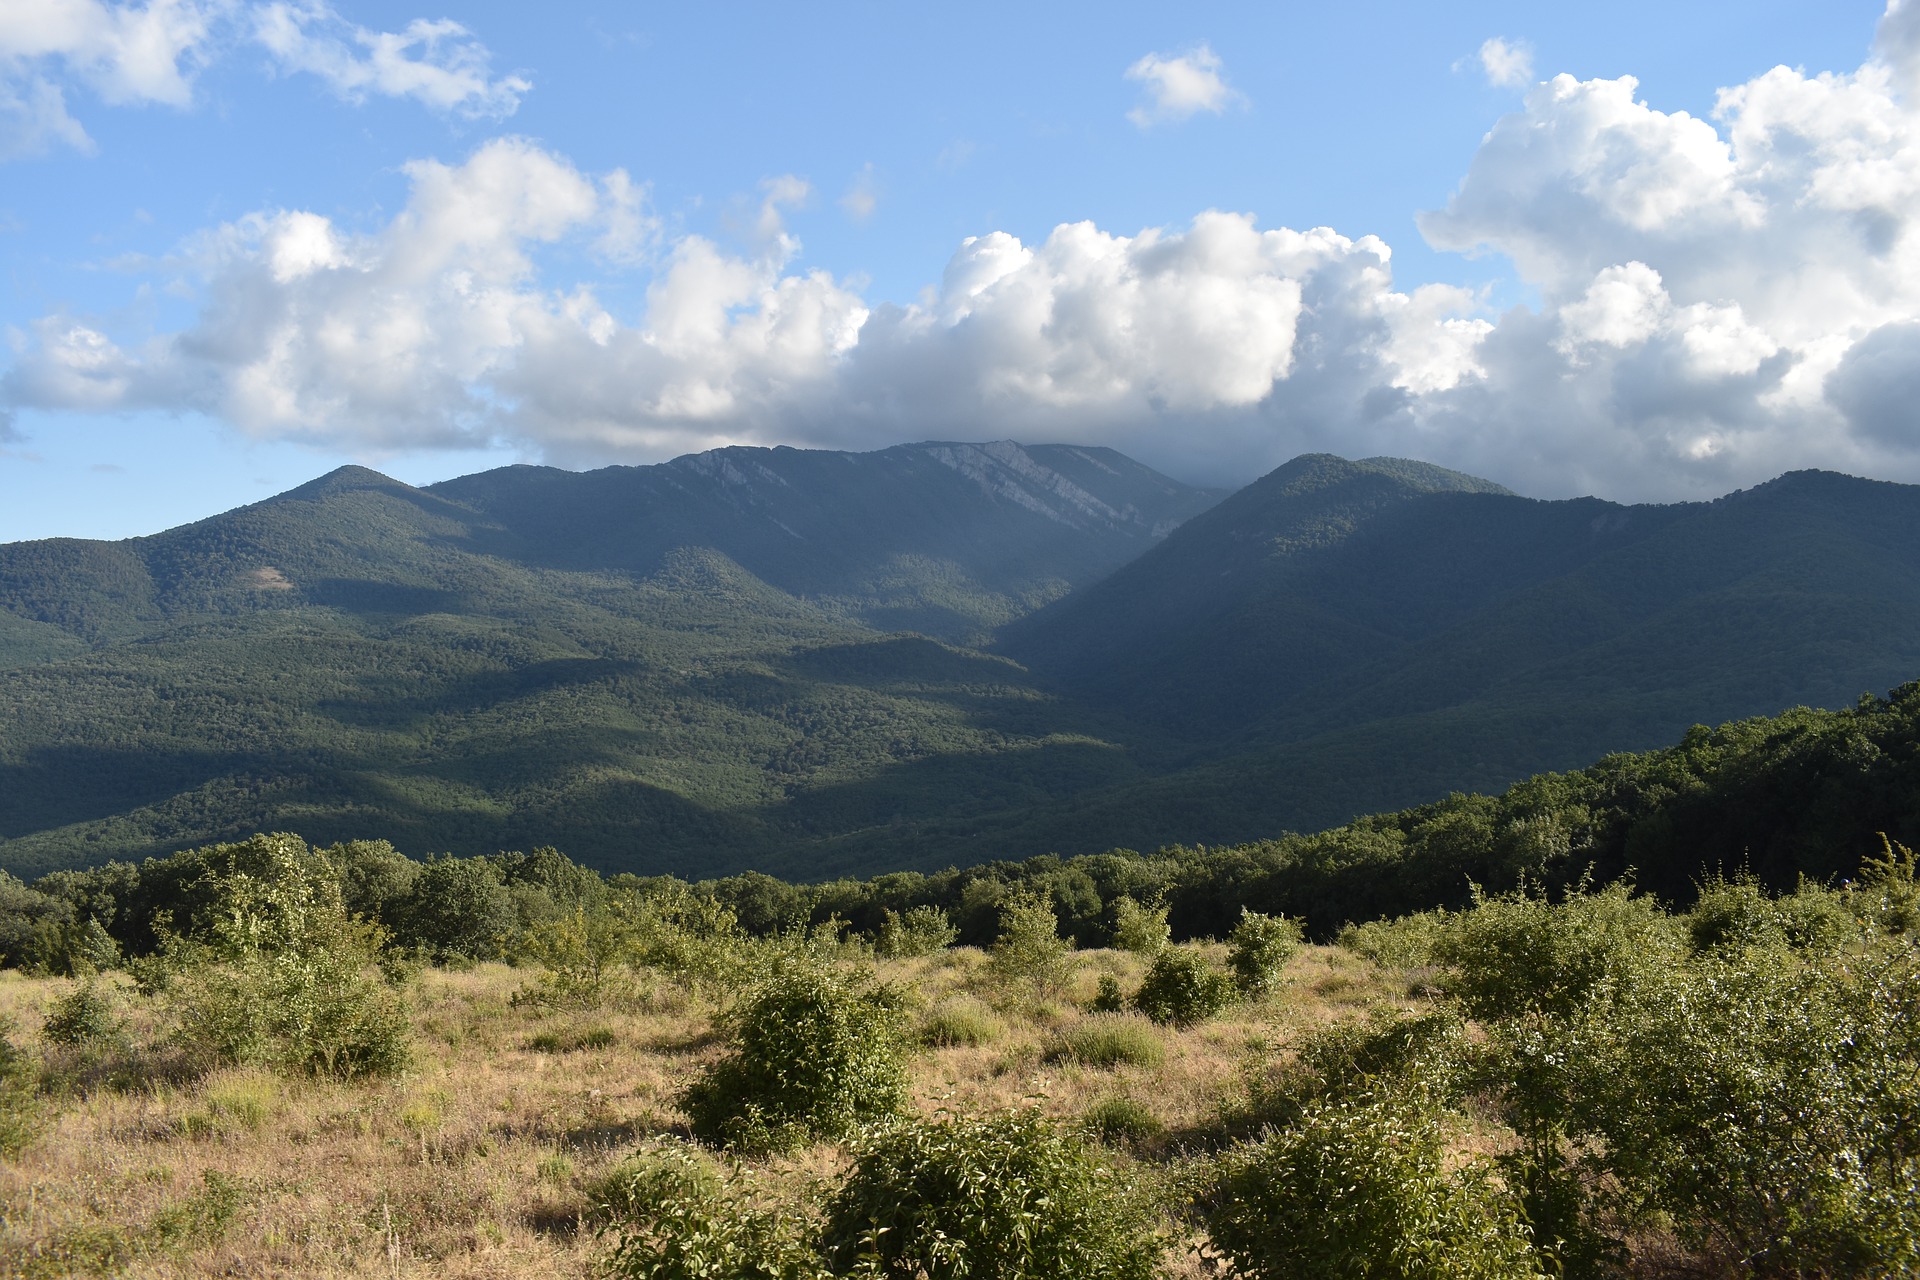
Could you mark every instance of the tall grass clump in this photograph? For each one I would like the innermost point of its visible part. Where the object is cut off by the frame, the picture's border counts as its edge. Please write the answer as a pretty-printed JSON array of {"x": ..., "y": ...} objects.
[
  {"x": 1109, "y": 1040},
  {"x": 814, "y": 1055},
  {"x": 998, "y": 1197},
  {"x": 20, "y": 1112}
]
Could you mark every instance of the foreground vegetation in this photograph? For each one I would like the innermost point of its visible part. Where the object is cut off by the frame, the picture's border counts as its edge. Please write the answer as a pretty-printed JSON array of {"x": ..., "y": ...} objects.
[{"x": 1582, "y": 1085}]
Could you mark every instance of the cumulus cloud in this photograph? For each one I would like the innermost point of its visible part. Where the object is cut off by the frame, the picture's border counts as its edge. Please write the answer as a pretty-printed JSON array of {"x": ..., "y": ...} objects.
[
  {"x": 1507, "y": 64},
  {"x": 139, "y": 54},
  {"x": 1718, "y": 300},
  {"x": 126, "y": 54},
  {"x": 1180, "y": 86},
  {"x": 439, "y": 63}
]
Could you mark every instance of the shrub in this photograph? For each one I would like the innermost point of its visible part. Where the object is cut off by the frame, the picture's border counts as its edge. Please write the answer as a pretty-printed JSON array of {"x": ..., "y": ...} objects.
[
  {"x": 1259, "y": 948},
  {"x": 84, "y": 1016},
  {"x": 1139, "y": 928},
  {"x": 1734, "y": 915},
  {"x": 1006, "y": 1197},
  {"x": 813, "y": 1056},
  {"x": 1424, "y": 1054},
  {"x": 1107, "y": 996},
  {"x": 1030, "y": 948},
  {"x": 1182, "y": 988},
  {"x": 1359, "y": 1188},
  {"x": 1403, "y": 943},
  {"x": 282, "y": 977},
  {"x": 958, "y": 1023},
  {"x": 675, "y": 1218},
  {"x": 919, "y": 931},
  {"x": 1109, "y": 1040},
  {"x": 1519, "y": 953},
  {"x": 457, "y": 909}
]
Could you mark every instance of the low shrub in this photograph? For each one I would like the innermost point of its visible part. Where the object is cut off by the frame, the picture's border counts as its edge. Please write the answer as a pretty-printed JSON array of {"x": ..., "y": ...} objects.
[
  {"x": 572, "y": 1040},
  {"x": 674, "y": 1217},
  {"x": 1423, "y": 1054},
  {"x": 1519, "y": 953},
  {"x": 1107, "y": 996},
  {"x": 1005, "y": 1197},
  {"x": 1030, "y": 948},
  {"x": 1109, "y": 1040},
  {"x": 83, "y": 1016},
  {"x": 1734, "y": 915},
  {"x": 813, "y": 1056},
  {"x": 1359, "y": 1188},
  {"x": 1182, "y": 988},
  {"x": 1258, "y": 950},
  {"x": 1140, "y": 928},
  {"x": 918, "y": 931},
  {"x": 960, "y": 1022},
  {"x": 281, "y": 977},
  {"x": 1404, "y": 943}
]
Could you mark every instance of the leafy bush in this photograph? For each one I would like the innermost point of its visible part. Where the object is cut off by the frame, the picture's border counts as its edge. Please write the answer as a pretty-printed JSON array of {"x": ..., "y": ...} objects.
[
  {"x": 1404, "y": 943},
  {"x": 1006, "y": 1197},
  {"x": 83, "y": 1016},
  {"x": 1734, "y": 915},
  {"x": 457, "y": 909},
  {"x": 1107, "y": 996},
  {"x": 1519, "y": 953},
  {"x": 919, "y": 931},
  {"x": 1402, "y": 1054},
  {"x": 1109, "y": 1040},
  {"x": 1138, "y": 928},
  {"x": 960, "y": 1022},
  {"x": 1182, "y": 988},
  {"x": 813, "y": 1056},
  {"x": 282, "y": 977},
  {"x": 1259, "y": 948},
  {"x": 675, "y": 1218},
  {"x": 1359, "y": 1188},
  {"x": 1030, "y": 948}
]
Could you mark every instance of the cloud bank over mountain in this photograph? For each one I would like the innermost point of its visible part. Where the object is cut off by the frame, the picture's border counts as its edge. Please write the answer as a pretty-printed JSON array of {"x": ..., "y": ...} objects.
[{"x": 1718, "y": 300}]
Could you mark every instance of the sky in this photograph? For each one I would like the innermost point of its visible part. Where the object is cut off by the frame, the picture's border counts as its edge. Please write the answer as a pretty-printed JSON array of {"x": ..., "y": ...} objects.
[{"x": 1649, "y": 251}]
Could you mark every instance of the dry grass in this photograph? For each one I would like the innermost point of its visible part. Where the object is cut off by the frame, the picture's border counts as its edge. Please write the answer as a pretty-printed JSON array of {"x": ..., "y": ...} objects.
[{"x": 474, "y": 1163}]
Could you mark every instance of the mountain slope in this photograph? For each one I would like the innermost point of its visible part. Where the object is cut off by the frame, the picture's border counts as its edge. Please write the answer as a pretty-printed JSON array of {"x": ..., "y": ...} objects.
[{"x": 534, "y": 657}]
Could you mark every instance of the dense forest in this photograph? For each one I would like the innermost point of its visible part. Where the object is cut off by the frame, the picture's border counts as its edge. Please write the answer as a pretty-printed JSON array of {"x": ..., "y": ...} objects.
[
  {"x": 819, "y": 665},
  {"x": 1805, "y": 795}
]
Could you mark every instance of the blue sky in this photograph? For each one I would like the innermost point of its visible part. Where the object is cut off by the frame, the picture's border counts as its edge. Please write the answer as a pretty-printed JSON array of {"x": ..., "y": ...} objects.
[{"x": 245, "y": 242}]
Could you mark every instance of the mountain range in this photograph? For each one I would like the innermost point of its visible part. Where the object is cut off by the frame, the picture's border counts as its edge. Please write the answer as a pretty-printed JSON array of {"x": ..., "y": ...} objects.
[{"x": 816, "y": 662}]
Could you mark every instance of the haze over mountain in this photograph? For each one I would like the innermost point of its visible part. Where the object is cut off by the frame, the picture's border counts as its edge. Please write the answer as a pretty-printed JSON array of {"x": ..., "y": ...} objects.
[{"x": 817, "y": 662}]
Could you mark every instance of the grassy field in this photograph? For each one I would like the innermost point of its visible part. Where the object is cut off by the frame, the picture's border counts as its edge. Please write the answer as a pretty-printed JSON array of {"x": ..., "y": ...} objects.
[{"x": 480, "y": 1160}]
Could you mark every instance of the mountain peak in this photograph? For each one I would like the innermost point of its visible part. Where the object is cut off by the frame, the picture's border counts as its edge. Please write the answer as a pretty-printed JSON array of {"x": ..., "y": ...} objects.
[{"x": 347, "y": 479}]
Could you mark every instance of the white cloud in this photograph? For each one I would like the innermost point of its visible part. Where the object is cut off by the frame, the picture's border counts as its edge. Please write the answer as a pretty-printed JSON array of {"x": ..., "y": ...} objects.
[
  {"x": 1506, "y": 64},
  {"x": 1180, "y": 86},
  {"x": 139, "y": 54},
  {"x": 439, "y": 63},
  {"x": 1719, "y": 300}
]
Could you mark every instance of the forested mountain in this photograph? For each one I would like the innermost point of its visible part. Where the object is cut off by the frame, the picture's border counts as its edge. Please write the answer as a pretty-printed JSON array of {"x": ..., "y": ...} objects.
[
  {"x": 824, "y": 664},
  {"x": 1341, "y": 637},
  {"x": 649, "y": 664}
]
